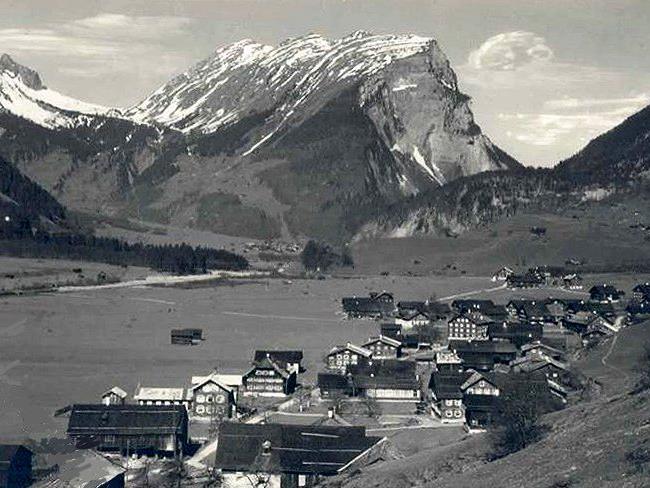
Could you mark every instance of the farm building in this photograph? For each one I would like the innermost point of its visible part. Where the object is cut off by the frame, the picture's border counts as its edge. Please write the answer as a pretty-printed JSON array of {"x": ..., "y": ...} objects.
[
  {"x": 154, "y": 395},
  {"x": 291, "y": 456},
  {"x": 530, "y": 311},
  {"x": 383, "y": 347},
  {"x": 15, "y": 466},
  {"x": 394, "y": 331},
  {"x": 483, "y": 355},
  {"x": 114, "y": 396},
  {"x": 186, "y": 336},
  {"x": 447, "y": 397},
  {"x": 448, "y": 362},
  {"x": 374, "y": 306},
  {"x": 386, "y": 379},
  {"x": 332, "y": 385},
  {"x": 572, "y": 281},
  {"x": 232, "y": 381},
  {"x": 517, "y": 334},
  {"x": 268, "y": 378},
  {"x": 289, "y": 360},
  {"x": 409, "y": 320},
  {"x": 341, "y": 357},
  {"x": 605, "y": 293},
  {"x": 147, "y": 429}
]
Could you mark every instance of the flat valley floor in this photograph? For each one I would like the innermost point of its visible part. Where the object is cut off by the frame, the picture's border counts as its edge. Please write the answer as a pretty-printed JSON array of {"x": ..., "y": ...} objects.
[{"x": 62, "y": 348}]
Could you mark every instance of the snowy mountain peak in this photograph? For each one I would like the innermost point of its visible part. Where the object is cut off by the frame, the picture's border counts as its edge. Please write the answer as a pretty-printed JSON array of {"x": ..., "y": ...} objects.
[
  {"x": 249, "y": 77},
  {"x": 28, "y": 76},
  {"x": 23, "y": 94}
]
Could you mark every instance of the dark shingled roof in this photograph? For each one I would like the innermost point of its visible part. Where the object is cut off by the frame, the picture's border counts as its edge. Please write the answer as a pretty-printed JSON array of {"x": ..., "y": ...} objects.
[
  {"x": 127, "y": 419},
  {"x": 385, "y": 373},
  {"x": 446, "y": 385},
  {"x": 280, "y": 357},
  {"x": 8, "y": 452},
  {"x": 298, "y": 449},
  {"x": 331, "y": 380}
]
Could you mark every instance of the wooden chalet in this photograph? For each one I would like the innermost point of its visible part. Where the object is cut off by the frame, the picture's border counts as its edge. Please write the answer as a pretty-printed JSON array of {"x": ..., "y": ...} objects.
[
  {"x": 480, "y": 393},
  {"x": 291, "y": 456},
  {"x": 128, "y": 429},
  {"x": 233, "y": 381},
  {"x": 541, "y": 350},
  {"x": 268, "y": 378},
  {"x": 502, "y": 274},
  {"x": 212, "y": 399},
  {"x": 376, "y": 305},
  {"x": 605, "y": 293},
  {"x": 289, "y": 360},
  {"x": 572, "y": 281},
  {"x": 386, "y": 379},
  {"x": 410, "y": 320},
  {"x": 114, "y": 396},
  {"x": 394, "y": 331},
  {"x": 383, "y": 347},
  {"x": 470, "y": 326},
  {"x": 556, "y": 372},
  {"x": 446, "y": 395},
  {"x": 15, "y": 466},
  {"x": 641, "y": 293},
  {"x": 530, "y": 312},
  {"x": 340, "y": 358},
  {"x": 483, "y": 355},
  {"x": 332, "y": 385},
  {"x": 448, "y": 362}
]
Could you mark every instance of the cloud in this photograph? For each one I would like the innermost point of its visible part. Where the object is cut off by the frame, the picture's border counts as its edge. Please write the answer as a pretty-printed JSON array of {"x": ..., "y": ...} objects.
[
  {"x": 104, "y": 35},
  {"x": 509, "y": 51},
  {"x": 548, "y": 129},
  {"x": 129, "y": 27},
  {"x": 638, "y": 102}
]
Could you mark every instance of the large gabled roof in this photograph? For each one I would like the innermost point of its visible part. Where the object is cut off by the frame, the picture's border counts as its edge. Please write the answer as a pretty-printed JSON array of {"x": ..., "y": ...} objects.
[
  {"x": 282, "y": 448},
  {"x": 279, "y": 356},
  {"x": 362, "y": 351},
  {"x": 126, "y": 419},
  {"x": 116, "y": 390},
  {"x": 382, "y": 338}
]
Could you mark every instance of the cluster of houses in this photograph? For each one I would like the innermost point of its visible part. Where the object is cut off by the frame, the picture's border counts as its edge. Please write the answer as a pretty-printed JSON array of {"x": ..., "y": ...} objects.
[
  {"x": 452, "y": 360},
  {"x": 539, "y": 276},
  {"x": 476, "y": 349}
]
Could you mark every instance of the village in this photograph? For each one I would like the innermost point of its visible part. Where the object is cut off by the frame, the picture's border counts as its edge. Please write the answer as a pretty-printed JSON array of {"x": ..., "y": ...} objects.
[{"x": 432, "y": 366}]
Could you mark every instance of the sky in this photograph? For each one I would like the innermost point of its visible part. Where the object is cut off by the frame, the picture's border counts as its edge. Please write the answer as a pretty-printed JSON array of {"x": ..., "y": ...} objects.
[{"x": 544, "y": 76}]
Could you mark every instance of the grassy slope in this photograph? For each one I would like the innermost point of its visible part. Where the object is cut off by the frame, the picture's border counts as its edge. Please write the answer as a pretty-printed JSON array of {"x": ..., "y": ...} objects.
[
  {"x": 571, "y": 234},
  {"x": 601, "y": 443}
]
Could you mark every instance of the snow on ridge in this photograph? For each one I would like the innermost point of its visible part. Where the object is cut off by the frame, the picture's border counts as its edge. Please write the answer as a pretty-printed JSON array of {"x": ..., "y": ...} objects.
[
  {"x": 45, "y": 107},
  {"x": 436, "y": 175}
]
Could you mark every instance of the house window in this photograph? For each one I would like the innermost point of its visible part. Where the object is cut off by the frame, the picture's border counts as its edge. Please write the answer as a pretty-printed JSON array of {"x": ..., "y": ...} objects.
[{"x": 200, "y": 398}]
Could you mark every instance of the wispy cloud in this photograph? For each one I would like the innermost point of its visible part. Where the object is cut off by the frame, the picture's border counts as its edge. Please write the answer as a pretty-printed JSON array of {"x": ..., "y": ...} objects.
[
  {"x": 102, "y": 35},
  {"x": 636, "y": 102}
]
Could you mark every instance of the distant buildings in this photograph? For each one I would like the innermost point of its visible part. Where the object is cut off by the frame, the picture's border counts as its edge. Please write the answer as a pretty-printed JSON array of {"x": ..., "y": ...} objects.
[
  {"x": 383, "y": 347},
  {"x": 605, "y": 293},
  {"x": 374, "y": 306},
  {"x": 154, "y": 395},
  {"x": 290, "y": 360}
]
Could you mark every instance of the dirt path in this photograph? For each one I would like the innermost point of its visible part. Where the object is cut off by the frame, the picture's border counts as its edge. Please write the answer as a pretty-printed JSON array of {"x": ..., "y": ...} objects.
[
  {"x": 604, "y": 359},
  {"x": 471, "y": 293}
]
